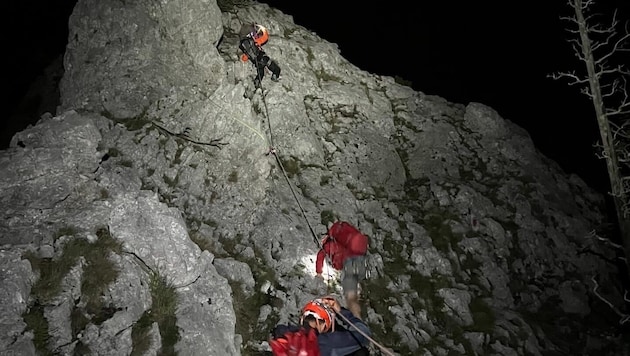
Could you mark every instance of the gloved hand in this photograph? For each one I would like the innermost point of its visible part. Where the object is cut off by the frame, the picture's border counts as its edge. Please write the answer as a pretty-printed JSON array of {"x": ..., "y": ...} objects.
[{"x": 332, "y": 303}]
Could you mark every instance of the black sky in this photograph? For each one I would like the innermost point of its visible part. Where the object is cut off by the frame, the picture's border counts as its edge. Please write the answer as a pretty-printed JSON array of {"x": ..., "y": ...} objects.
[
  {"x": 34, "y": 33},
  {"x": 495, "y": 52}
]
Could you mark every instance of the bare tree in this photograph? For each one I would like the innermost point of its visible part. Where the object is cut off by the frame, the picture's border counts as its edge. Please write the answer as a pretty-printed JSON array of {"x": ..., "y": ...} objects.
[{"x": 600, "y": 47}]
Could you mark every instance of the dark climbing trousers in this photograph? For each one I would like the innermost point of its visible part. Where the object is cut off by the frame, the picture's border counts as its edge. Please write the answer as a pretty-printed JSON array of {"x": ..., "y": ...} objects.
[
  {"x": 361, "y": 352},
  {"x": 352, "y": 273},
  {"x": 259, "y": 59}
]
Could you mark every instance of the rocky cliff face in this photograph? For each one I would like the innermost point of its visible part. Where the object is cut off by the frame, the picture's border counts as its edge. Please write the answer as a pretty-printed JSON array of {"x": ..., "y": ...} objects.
[{"x": 148, "y": 216}]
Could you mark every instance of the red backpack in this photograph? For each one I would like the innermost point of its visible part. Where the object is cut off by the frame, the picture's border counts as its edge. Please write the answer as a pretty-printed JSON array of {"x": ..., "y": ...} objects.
[
  {"x": 350, "y": 237},
  {"x": 297, "y": 343}
]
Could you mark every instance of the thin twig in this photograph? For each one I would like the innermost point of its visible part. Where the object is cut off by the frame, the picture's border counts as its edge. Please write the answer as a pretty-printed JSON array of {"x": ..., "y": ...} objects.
[{"x": 624, "y": 317}]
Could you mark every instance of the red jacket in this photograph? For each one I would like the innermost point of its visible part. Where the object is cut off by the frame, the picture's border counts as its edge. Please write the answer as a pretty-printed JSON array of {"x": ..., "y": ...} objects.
[
  {"x": 344, "y": 241},
  {"x": 337, "y": 254},
  {"x": 290, "y": 343}
]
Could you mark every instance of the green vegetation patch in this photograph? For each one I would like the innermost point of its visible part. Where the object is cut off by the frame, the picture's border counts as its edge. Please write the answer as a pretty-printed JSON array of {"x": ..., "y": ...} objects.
[
  {"x": 246, "y": 308},
  {"x": 98, "y": 273},
  {"x": 162, "y": 311},
  {"x": 163, "y": 308},
  {"x": 324, "y": 76},
  {"x": 327, "y": 216},
  {"x": 65, "y": 231},
  {"x": 437, "y": 224},
  {"x": 229, "y": 5},
  {"x": 140, "y": 340},
  {"x": 483, "y": 316},
  {"x": 291, "y": 166},
  {"x": 35, "y": 321}
]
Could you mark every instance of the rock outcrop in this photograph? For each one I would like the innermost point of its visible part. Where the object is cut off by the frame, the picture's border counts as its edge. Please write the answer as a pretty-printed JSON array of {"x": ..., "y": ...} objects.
[{"x": 150, "y": 217}]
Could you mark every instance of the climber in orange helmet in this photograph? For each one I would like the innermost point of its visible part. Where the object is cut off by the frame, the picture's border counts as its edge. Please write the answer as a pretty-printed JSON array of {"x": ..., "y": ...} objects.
[
  {"x": 252, "y": 37},
  {"x": 319, "y": 317}
]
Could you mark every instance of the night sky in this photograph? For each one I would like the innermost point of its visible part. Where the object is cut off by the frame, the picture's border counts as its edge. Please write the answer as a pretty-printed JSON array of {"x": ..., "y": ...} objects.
[
  {"x": 495, "y": 52},
  {"x": 498, "y": 53},
  {"x": 34, "y": 33}
]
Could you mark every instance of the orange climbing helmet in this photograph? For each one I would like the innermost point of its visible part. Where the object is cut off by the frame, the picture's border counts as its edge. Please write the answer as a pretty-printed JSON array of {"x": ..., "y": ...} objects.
[
  {"x": 260, "y": 34},
  {"x": 320, "y": 311}
]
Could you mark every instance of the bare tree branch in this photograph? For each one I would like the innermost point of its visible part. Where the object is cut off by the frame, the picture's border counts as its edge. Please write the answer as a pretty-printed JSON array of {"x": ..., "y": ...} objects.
[
  {"x": 185, "y": 135},
  {"x": 605, "y": 240},
  {"x": 605, "y": 83},
  {"x": 624, "y": 317}
]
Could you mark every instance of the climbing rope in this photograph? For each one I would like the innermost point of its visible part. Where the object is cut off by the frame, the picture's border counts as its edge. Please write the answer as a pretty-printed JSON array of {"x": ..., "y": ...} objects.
[
  {"x": 381, "y": 347},
  {"x": 262, "y": 92},
  {"x": 273, "y": 151}
]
